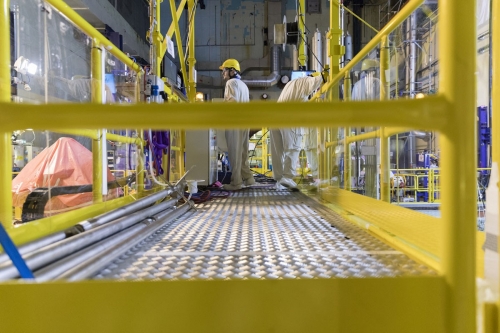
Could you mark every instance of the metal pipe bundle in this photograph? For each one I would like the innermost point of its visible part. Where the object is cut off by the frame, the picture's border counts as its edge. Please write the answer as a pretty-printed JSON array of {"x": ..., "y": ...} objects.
[{"x": 55, "y": 251}]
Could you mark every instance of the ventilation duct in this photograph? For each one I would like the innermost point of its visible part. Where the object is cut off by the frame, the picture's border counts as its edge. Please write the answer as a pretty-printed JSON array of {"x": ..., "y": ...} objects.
[{"x": 271, "y": 79}]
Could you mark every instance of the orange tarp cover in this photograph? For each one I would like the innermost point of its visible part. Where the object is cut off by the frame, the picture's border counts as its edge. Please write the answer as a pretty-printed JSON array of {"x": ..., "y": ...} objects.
[{"x": 65, "y": 163}]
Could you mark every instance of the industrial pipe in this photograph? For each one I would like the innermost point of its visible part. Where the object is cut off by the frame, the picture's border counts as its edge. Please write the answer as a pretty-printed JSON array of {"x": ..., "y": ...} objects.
[
  {"x": 100, "y": 255},
  {"x": 91, "y": 223},
  {"x": 58, "y": 250},
  {"x": 271, "y": 79}
]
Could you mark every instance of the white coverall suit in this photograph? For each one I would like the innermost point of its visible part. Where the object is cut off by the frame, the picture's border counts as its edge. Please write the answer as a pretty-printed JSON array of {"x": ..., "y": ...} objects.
[
  {"x": 237, "y": 140},
  {"x": 285, "y": 143},
  {"x": 367, "y": 88}
]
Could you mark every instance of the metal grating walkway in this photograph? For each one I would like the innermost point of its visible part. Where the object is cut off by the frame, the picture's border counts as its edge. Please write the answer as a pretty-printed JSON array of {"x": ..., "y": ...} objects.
[{"x": 261, "y": 233}]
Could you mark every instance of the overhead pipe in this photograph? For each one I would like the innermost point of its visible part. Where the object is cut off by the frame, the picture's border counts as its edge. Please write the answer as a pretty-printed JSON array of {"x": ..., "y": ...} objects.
[
  {"x": 91, "y": 260},
  {"x": 55, "y": 251},
  {"x": 271, "y": 79}
]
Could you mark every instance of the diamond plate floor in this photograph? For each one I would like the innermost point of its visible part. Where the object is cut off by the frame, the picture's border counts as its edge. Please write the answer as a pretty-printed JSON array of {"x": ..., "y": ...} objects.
[{"x": 261, "y": 233}]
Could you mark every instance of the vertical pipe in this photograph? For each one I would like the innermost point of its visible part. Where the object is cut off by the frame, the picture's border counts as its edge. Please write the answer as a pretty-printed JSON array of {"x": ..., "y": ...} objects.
[
  {"x": 384, "y": 139},
  {"x": 5, "y": 140},
  {"x": 97, "y": 98},
  {"x": 457, "y": 51},
  {"x": 191, "y": 58}
]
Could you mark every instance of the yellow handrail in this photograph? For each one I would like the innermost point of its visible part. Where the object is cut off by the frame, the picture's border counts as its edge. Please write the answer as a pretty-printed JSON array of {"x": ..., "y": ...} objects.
[
  {"x": 388, "y": 28},
  {"x": 94, "y": 33}
]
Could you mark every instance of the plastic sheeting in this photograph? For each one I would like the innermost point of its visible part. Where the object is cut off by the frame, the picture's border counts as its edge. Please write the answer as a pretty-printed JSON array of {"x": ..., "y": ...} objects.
[{"x": 65, "y": 163}]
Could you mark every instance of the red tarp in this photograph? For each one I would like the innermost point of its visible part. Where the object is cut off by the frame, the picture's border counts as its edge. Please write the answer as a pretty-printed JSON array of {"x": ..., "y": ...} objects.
[{"x": 65, "y": 163}]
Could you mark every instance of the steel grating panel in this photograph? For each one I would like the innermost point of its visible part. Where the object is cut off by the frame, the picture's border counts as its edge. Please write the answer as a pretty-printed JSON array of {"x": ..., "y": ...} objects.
[{"x": 261, "y": 233}]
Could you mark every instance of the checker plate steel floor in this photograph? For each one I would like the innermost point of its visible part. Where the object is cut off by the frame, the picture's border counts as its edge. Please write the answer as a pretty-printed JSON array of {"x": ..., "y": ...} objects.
[{"x": 261, "y": 233}]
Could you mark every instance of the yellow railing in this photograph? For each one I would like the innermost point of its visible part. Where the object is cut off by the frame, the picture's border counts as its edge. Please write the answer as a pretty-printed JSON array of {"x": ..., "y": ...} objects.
[{"x": 444, "y": 303}]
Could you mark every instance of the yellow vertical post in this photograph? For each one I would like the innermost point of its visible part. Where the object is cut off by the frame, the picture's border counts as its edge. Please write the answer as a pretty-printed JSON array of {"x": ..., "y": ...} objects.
[
  {"x": 191, "y": 58},
  {"x": 302, "y": 45},
  {"x": 139, "y": 169},
  {"x": 495, "y": 50},
  {"x": 178, "y": 40},
  {"x": 385, "y": 79},
  {"x": 347, "y": 132},
  {"x": 5, "y": 140},
  {"x": 457, "y": 51},
  {"x": 158, "y": 40},
  {"x": 264, "y": 150},
  {"x": 97, "y": 97},
  {"x": 495, "y": 105}
]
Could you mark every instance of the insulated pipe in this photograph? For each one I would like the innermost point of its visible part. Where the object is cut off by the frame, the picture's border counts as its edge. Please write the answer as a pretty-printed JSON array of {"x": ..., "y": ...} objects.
[
  {"x": 271, "y": 79},
  {"x": 63, "y": 248},
  {"x": 100, "y": 255}
]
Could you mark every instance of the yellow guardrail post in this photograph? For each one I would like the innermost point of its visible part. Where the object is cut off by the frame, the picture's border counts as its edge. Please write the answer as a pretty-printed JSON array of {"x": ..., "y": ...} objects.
[
  {"x": 495, "y": 105},
  {"x": 158, "y": 40},
  {"x": 302, "y": 46},
  {"x": 385, "y": 182},
  {"x": 96, "y": 67},
  {"x": 191, "y": 59},
  {"x": 5, "y": 139},
  {"x": 347, "y": 132},
  {"x": 347, "y": 160},
  {"x": 457, "y": 52}
]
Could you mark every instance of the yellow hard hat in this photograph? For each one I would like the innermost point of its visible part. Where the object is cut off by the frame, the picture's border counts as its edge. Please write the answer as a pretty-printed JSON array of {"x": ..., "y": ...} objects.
[
  {"x": 231, "y": 63},
  {"x": 369, "y": 64}
]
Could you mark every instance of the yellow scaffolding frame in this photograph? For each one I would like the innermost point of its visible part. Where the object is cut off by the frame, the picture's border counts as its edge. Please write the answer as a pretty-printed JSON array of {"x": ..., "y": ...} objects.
[{"x": 444, "y": 303}]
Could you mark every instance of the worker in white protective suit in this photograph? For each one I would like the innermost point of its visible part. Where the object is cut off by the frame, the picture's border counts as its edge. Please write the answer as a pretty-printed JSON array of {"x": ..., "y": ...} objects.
[
  {"x": 368, "y": 86},
  {"x": 286, "y": 142},
  {"x": 237, "y": 140}
]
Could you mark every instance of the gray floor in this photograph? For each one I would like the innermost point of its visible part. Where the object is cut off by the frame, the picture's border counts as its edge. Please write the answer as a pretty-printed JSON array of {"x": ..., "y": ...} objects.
[{"x": 261, "y": 233}]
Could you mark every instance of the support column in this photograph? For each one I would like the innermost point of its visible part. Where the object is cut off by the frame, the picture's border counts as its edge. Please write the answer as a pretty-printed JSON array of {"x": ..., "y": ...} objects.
[
  {"x": 191, "y": 58},
  {"x": 385, "y": 86},
  {"x": 97, "y": 98},
  {"x": 457, "y": 51},
  {"x": 5, "y": 139}
]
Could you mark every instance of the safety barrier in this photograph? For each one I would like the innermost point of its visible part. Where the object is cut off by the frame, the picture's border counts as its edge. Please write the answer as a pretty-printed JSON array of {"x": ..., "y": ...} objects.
[{"x": 444, "y": 303}]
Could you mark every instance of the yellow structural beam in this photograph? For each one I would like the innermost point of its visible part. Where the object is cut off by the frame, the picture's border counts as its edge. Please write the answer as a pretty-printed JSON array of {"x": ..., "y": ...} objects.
[
  {"x": 302, "y": 44},
  {"x": 175, "y": 22},
  {"x": 430, "y": 113},
  {"x": 92, "y": 134},
  {"x": 97, "y": 67},
  {"x": 410, "y": 305},
  {"x": 495, "y": 91},
  {"x": 5, "y": 139},
  {"x": 191, "y": 83},
  {"x": 385, "y": 90},
  {"x": 457, "y": 66}
]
